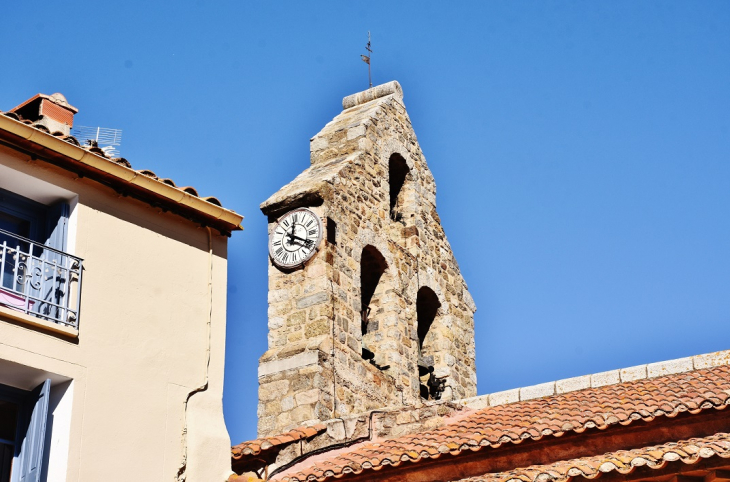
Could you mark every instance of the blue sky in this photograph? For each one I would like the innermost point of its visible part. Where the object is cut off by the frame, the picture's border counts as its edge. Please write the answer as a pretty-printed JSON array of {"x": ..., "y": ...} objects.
[{"x": 581, "y": 151}]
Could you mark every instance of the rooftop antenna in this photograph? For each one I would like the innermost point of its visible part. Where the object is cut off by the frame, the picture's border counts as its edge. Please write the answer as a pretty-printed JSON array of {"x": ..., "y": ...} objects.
[
  {"x": 109, "y": 140},
  {"x": 366, "y": 59}
]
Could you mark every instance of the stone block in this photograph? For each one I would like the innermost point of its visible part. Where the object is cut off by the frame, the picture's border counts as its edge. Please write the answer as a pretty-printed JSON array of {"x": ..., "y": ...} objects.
[
  {"x": 302, "y": 412},
  {"x": 680, "y": 365},
  {"x": 277, "y": 296},
  {"x": 295, "y": 319},
  {"x": 297, "y": 361},
  {"x": 710, "y": 360},
  {"x": 276, "y": 322},
  {"x": 403, "y": 418},
  {"x": 301, "y": 382},
  {"x": 322, "y": 411},
  {"x": 287, "y": 403},
  {"x": 266, "y": 424},
  {"x": 573, "y": 384},
  {"x": 505, "y": 397},
  {"x": 450, "y": 360},
  {"x": 442, "y": 372},
  {"x": 355, "y": 132},
  {"x": 316, "y": 328},
  {"x": 476, "y": 403},
  {"x": 283, "y": 419},
  {"x": 537, "y": 391},
  {"x": 273, "y": 390},
  {"x": 310, "y": 396},
  {"x": 336, "y": 430},
  {"x": 432, "y": 423},
  {"x": 311, "y": 300},
  {"x": 605, "y": 378},
  {"x": 633, "y": 373},
  {"x": 318, "y": 143}
]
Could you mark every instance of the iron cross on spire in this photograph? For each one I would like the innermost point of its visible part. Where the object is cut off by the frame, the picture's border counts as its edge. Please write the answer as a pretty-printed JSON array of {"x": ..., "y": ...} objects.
[{"x": 366, "y": 59}]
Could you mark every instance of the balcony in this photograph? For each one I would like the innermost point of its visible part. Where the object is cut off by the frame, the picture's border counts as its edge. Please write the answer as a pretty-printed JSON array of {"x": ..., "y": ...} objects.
[{"x": 39, "y": 280}]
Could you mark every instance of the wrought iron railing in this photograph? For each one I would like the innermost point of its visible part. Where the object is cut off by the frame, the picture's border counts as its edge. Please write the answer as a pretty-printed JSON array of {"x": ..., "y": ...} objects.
[{"x": 39, "y": 280}]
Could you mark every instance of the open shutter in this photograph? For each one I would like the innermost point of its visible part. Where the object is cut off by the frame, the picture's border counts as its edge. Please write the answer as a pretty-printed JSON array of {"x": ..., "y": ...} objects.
[
  {"x": 58, "y": 225},
  {"x": 30, "y": 460},
  {"x": 54, "y": 282}
]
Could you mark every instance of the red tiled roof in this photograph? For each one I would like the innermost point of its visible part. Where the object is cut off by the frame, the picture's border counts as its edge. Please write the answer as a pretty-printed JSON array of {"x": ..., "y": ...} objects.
[
  {"x": 255, "y": 447},
  {"x": 533, "y": 419},
  {"x": 623, "y": 461}
]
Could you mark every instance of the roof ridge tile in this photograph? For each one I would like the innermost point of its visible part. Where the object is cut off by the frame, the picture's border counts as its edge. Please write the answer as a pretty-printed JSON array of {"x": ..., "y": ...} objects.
[{"x": 601, "y": 379}]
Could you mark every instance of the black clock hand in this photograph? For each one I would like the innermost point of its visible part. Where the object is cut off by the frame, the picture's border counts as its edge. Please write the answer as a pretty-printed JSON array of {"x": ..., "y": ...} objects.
[
  {"x": 291, "y": 235},
  {"x": 306, "y": 241}
]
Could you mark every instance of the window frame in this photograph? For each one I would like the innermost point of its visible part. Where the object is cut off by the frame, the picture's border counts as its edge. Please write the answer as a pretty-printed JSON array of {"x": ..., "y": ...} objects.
[
  {"x": 29, "y": 443},
  {"x": 33, "y": 212}
]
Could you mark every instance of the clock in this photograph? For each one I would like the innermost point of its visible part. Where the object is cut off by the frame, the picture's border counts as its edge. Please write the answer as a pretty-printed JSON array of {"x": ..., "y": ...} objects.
[{"x": 295, "y": 238}]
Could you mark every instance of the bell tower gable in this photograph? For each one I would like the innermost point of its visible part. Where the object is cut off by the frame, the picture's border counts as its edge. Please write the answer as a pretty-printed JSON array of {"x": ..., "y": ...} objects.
[{"x": 380, "y": 315}]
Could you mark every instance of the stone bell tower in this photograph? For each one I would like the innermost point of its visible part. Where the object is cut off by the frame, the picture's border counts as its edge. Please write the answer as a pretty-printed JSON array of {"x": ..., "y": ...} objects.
[{"x": 380, "y": 315}]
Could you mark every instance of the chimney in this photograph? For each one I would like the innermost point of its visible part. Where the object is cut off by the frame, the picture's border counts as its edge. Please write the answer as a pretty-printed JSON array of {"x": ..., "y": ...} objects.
[{"x": 52, "y": 111}]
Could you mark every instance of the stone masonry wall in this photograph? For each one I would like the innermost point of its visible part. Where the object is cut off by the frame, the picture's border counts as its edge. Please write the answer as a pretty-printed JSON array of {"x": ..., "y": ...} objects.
[{"x": 314, "y": 367}]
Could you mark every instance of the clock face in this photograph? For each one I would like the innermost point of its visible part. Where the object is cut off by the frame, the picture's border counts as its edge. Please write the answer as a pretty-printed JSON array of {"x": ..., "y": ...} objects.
[{"x": 295, "y": 238}]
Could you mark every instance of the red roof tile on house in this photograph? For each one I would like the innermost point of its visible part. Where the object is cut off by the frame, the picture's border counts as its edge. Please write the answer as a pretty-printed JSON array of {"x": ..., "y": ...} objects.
[
  {"x": 555, "y": 415},
  {"x": 622, "y": 461},
  {"x": 255, "y": 447}
]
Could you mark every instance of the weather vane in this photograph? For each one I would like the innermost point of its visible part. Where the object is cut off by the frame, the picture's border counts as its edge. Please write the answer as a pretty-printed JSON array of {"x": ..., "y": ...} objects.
[{"x": 366, "y": 59}]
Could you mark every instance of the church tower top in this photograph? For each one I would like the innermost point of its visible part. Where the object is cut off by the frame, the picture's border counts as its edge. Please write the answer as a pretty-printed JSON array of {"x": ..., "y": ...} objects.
[
  {"x": 367, "y": 306},
  {"x": 389, "y": 88}
]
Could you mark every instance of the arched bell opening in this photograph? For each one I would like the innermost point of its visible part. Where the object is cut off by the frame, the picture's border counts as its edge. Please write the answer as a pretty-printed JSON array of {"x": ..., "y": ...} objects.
[
  {"x": 372, "y": 268},
  {"x": 427, "y": 309},
  {"x": 397, "y": 173}
]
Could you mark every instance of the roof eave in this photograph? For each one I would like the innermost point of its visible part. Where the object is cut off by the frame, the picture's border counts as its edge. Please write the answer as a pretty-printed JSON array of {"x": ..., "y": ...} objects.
[{"x": 122, "y": 179}]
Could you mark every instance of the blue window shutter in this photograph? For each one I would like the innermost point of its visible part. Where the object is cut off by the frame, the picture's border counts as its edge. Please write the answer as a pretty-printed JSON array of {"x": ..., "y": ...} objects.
[
  {"x": 30, "y": 460},
  {"x": 58, "y": 225},
  {"x": 54, "y": 286}
]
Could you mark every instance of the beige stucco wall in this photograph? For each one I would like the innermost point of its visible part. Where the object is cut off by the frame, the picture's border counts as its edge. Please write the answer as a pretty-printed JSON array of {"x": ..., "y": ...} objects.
[{"x": 148, "y": 323}]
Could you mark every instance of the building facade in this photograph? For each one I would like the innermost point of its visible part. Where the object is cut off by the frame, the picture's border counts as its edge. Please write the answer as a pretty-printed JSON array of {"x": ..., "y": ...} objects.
[{"x": 112, "y": 312}]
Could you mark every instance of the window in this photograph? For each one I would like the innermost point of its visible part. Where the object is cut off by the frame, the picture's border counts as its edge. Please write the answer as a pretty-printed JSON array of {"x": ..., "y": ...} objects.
[
  {"x": 372, "y": 267},
  {"x": 23, "y": 416},
  {"x": 397, "y": 173},
  {"x": 24, "y": 218},
  {"x": 35, "y": 271},
  {"x": 331, "y": 232}
]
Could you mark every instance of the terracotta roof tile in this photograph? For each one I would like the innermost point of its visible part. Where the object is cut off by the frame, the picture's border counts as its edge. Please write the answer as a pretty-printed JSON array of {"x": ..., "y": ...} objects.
[
  {"x": 533, "y": 419},
  {"x": 624, "y": 461},
  {"x": 255, "y": 447},
  {"x": 190, "y": 190}
]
